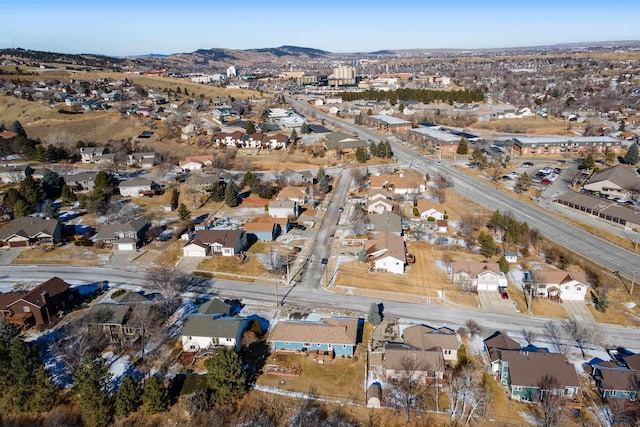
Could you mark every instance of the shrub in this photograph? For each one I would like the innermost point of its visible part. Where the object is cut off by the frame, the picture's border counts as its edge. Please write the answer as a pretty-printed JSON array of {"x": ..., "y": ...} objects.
[
  {"x": 416, "y": 212},
  {"x": 118, "y": 292}
]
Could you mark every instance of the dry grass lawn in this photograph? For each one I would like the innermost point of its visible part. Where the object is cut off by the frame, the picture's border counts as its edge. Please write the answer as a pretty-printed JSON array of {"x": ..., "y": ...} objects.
[
  {"x": 531, "y": 125},
  {"x": 548, "y": 308},
  {"x": 231, "y": 265},
  {"x": 68, "y": 255},
  {"x": 170, "y": 255},
  {"x": 344, "y": 378},
  {"x": 278, "y": 160},
  {"x": 617, "y": 313}
]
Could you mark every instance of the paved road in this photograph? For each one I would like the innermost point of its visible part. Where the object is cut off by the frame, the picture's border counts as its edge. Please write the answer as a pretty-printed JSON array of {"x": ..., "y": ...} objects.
[
  {"x": 589, "y": 246},
  {"x": 320, "y": 298}
]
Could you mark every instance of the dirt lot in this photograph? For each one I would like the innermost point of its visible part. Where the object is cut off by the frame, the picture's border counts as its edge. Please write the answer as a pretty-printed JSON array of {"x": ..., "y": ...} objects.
[
  {"x": 531, "y": 125},
  {"x": 68, "y": 254}
]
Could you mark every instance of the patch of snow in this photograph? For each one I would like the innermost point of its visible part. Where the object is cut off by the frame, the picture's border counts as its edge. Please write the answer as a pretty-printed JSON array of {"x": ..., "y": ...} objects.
[
  {"x": 441, "y": 265},
  {"x": 476, "y": 344},
  {"x": 517, "y": 277}
]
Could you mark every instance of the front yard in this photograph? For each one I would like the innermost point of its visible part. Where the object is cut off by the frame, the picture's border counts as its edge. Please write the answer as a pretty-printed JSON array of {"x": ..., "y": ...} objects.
[{"x": 79, "y": 256}]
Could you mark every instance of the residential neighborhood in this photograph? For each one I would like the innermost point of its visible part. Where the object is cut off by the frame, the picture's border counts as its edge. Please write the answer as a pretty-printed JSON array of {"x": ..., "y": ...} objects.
[{"x": 400, "y": 238}]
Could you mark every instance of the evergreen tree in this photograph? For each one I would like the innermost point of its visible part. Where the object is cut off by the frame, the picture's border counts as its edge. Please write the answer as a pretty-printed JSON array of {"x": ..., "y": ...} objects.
[
  {"x": 304, "y": 129},
  {"x": 218, "y": 192},
  {"x": 91, "y": 385},
  {"x": 183, "y": 212},
  {"x": 361, "y": 155},
  {"x": 128, "y": 397},
  {"x": 388, "y": 153},
  {"x": 633, "y": 155},
  {"x": 522, "y": 183},
  {"x": 186, "y": 92},
  {"x": 29, "y": 190},
  {"x": 51, "y": 184},
  {"x": 374, "y": 314},
  {"x": 50, "y": 210},
  {"x": 588, "y": 162},
  {"x": 463, "y": 148},
  {"x": 67, "y": 195},
  {"x": 11, "y": 197},
  {"x": 45, "y": 392},
  {"x": 369, "y": 112},
  {"x": 17, "y": 128},
  {"x": 155, "y": 396},
  {"x": 373, "y": 149},
  {"x": 251, "y": 128},
  {"x": 226, "y": 378},
  {"x": 504, "y": 264},
  {"x": 21, "y": 208},
  {"x": 478, "y": 159},
  {"x": 23, "y": 367},
  {"x": 487, "y": 245},
  {"x": 231, "y": 195},
  {"x": 294, "y": 136}
]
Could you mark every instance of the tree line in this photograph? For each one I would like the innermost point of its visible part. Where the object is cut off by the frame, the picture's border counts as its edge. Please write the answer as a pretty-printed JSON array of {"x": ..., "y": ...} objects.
[{"x": 426, "y": 96}]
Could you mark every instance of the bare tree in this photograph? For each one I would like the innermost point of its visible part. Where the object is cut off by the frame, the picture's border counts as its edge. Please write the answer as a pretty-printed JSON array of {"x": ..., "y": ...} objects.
[
  {"x": 548, "y": 411},
  {"x": 553, "y": 331},
  {"x": 359, "y": 220},
  {"x": 473, "y": 327},
  {"x": 467, "y": 395},
  {"x": 170, "y": 284},
  {"x": 79, "y": 339},
  {"x": 407, "y": 389},
  {"x": 581, "y": 334},
  {"x": 359, "y": 178},
  {"x": 495, "y": 169},
  {"x": 529, "y": 335},
  {"x": 464, "y": 283}
]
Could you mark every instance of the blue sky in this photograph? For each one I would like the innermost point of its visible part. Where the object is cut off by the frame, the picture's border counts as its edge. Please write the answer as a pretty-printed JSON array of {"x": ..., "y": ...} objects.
[{"x": 140, "y": 26}]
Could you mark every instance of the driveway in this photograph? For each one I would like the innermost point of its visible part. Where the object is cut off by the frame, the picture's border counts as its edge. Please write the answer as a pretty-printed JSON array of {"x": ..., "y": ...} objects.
[
  {"x": 492, "y": 301},
  {"x": 189, "y": 264},
  {"x": 7, "y": 255},
  {"x": 578, "y": 311}
]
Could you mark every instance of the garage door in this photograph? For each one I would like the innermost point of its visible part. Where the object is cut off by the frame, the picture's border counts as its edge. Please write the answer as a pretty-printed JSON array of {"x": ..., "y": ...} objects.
[
  {"x": 487, "y": 287},
  {"x": 189, "y": 252},
  {"x": 126, "y": 246}
]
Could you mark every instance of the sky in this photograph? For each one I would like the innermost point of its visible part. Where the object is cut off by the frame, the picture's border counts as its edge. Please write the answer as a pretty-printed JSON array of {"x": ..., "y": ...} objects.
[{"x": 137, "y": 27}]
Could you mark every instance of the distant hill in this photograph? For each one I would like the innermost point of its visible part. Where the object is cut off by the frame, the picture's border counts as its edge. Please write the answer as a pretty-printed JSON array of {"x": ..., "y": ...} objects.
[{"x": 293, "y": 51}]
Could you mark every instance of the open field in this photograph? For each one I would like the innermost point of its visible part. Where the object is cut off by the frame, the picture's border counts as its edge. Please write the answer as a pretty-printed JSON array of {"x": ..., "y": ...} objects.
[
  {"x": 531, "y": 125},
  {"x": 67, "y": 255}
]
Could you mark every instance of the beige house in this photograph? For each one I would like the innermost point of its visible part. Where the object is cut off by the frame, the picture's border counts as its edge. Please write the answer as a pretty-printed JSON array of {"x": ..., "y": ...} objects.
[
  {"x": 425, "y": 338},
  {"x": 483, "y": 276},
  {"x": 402, "y": 361},
  {"x": 566, "y": 286},
  {"x": 386, "y": 252},
  {"x": 430, "y": 209}
]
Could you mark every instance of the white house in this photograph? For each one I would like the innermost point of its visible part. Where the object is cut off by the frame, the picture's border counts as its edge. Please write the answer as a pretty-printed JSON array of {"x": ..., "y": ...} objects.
[
  {"x": 511, "y": 257},
  {"x": 195, "y": 248},
  {"x": 283, "y": 208},
  {"x": 560, "y": 284},
  {"x": 133, "y": 187},
  {"x": 202, "y": 332},
  {"x": 379, "y": 203},
  {"x": 386, "y": 252},
  {"x": 194, "y": 163},
  {"x": 484, "y": 276},
  {"x": 430, "y": 209}
]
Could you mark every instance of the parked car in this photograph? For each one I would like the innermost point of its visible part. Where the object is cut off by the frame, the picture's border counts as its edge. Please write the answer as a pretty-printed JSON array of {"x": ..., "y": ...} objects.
[{"x": 504, "y": 294}]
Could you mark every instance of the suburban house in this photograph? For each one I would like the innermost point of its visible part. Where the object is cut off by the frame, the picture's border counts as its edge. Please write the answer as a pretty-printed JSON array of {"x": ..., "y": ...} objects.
[
  {"x": 264, "y": 231},
  {"x": 614, "y": 381},
  {"x": 39, "y": 306},
  {"x": 379, "y": 203},
  {"x": 114, "y": 320},
  {"x": 425, "y": 338},
  {"x": 530, "y": 375},
  {"x": 13, "y": 174},
  {"x": 81, "y": 182},
  {"x": 385, "y": 222},
  {"x": 283, "y": 209},
  {"x": 295, "y": 194},
  {"x": 333, "y": 335},
  {"x": 615, "y": 181},
  {"x": 30, "y": 231},
  {"x": 142, "y": 160},
  {"x": 203, "y": 332},
  {"x": 216, "y": 242},
  {"x": 557, "y": 284},
  {"x": 386, "y": 252},
  {"x": 297, "y": 178},
  {"x": 339, "y": 143},
  {"x": 92, "y": 154},
  {"x": 136, "y": 187},
  {"x": 126, "y": 236},
  {"x": 501, "y": 341},
  {"x": 215, "y": 307},
  {"x": 194, "y": 163},
  {"x": 404, "y": 361},
  {"x": 442, "y": 226},
  {"x": 402, "y": 183},
  {"x": 484, "y": 276},
  {"x": 511, "y": 257},
  {"x": 429, "y": 209}
]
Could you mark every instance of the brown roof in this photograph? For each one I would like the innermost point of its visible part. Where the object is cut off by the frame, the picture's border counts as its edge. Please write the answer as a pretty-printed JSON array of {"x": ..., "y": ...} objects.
[
  {"x": 7, "y": 134},
  {"x": 53, "y": 287},
  {"x": 619, "y": 174},
  {"x": 474, "y": 268},
  {"x": 226, "y": 238},
  {"x": 206, "y": 158},
  {"x": 257, "y": 227},
  {"x": 427, "y": 204},
  {"x": 271, "y": 220},
  {"x": 617, "y": 379},
  {"x": 633, "y": 361},
  {"x": 557, "y": 276},
  {"x": 396, "y": 354},
  {"x": 9, "y": 298},
  {"x": 527, "y": 368},
  {"x": 292, "y": 192},
  {"x": 393, "y": 244},
  {"x": 425, "y": 337},
  {"x": 327, "y": 331},
  {"x": 501, "y": 340}
]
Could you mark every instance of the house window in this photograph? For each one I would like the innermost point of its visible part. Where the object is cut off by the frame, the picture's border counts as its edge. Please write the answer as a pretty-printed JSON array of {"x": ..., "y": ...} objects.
[
  {"x": 516, "y": 388},
  {"x": 344, "y": 346},
  {"x": 579, "y": 288},
  {"x": 306, "y": 344},
  {"x": 287, "y": 342},
  {"x": 542, "y": 286},
  {"x": 26, "y": 309}
]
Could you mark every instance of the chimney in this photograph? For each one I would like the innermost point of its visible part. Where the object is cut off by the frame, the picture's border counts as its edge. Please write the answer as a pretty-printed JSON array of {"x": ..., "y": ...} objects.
[{"x": 45, "y": 297}]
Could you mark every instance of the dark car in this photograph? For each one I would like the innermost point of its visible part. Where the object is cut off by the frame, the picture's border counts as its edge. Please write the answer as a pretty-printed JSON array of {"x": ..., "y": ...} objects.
[
  {"x": 504, "y": 294},
  {"x": 299, "y": 227}
]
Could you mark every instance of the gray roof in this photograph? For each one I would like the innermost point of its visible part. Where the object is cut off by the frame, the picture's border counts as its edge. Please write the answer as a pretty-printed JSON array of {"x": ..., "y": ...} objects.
[
  {"x": 28, "y": 226},
  {"x": 202, "y": 325},
  {"x": 214, "y": 306},
  {"x": 386, "y": 221},
  {"x": 556, "y": 140},
  {"x": 436, "y": 134},
  {"x": 274, "y": 204},
  {"x": 110, "y": 231},
  {"x": 620, "y": 175},
  {"x": 390, "y": 119},
  {"x": 130, "y": 297},
  {"x": 136, "y": 182},
  {"x": 108, "y": 314}
]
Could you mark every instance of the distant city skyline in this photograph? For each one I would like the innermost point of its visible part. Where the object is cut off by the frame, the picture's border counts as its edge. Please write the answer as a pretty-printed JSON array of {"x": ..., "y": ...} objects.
[{"x": 120, "y": 28}]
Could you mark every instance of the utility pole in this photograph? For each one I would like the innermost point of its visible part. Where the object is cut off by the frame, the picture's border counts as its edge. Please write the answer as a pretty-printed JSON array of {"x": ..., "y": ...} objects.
[{"x": 633, "y": 282}]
